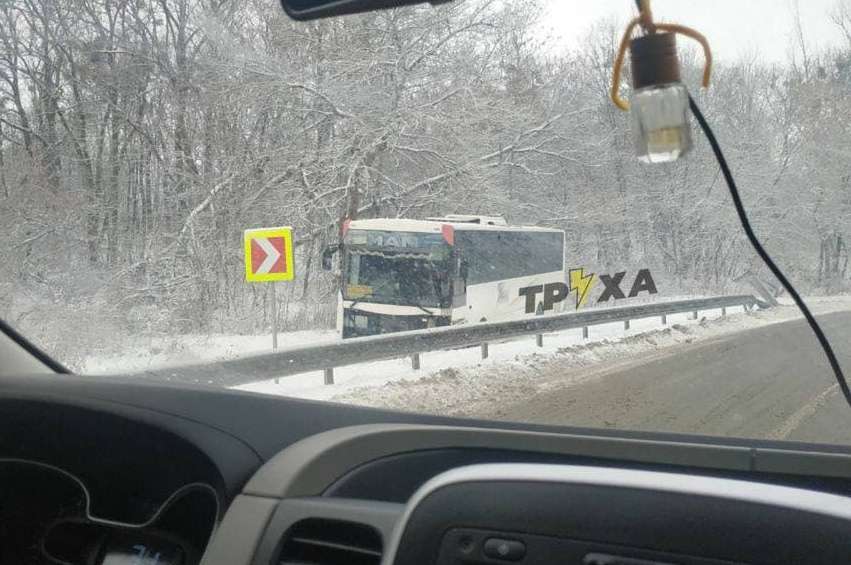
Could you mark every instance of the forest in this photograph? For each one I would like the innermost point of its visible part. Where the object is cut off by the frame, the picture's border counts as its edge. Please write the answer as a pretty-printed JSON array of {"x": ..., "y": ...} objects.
[{"x": 139, "y": 138}]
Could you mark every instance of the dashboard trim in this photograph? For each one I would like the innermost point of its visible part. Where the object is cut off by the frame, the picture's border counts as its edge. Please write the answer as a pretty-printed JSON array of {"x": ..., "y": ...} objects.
[
  {"x": 731, "y": 489},
  {"x": 240, "y": 532},
  {"x": 310, "y": 466}
]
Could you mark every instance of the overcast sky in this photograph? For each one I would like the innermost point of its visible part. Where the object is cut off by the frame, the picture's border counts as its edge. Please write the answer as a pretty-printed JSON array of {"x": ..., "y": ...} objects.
[{"x": 734, "y": 28}]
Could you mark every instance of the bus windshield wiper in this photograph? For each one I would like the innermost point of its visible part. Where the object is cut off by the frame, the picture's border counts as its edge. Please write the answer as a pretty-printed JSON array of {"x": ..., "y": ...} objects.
[{"x": 421, "y": 307}]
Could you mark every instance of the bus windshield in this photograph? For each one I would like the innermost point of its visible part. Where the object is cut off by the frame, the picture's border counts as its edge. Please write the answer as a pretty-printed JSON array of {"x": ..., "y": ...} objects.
[{"x": 397, "y": 279}]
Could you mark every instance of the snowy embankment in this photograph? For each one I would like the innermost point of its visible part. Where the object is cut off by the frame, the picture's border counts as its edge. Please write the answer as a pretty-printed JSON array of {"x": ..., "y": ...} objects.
[
  {"x": 158, "y": 351},
  {"x": 452, "y": 382}
]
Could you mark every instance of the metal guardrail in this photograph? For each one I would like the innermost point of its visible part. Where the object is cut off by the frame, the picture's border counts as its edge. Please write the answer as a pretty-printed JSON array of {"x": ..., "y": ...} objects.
[{"x": 327, "y": 356}]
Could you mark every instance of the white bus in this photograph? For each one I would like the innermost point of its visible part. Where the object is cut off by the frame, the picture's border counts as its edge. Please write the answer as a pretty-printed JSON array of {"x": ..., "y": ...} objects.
[{"x": 402, "y": 275}]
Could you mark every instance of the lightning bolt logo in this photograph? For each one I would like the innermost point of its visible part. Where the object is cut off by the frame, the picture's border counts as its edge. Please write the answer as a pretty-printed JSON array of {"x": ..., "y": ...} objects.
[{"x": 581, "y": 283}]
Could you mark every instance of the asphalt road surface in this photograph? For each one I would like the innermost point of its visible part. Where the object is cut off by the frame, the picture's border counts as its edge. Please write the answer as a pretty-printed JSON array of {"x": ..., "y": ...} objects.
[{"x": 770, "y": 382}]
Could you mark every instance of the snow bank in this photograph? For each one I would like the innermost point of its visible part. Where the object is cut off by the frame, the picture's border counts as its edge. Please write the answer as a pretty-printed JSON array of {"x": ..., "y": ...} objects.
[
  {"x": 451, "y": 382},
  {"x": 456, "y": 382},
  {"x": 159, "y": 351}
]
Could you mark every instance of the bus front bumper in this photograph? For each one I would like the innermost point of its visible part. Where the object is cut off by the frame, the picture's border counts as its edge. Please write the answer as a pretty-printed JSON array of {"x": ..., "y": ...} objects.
[{"x": 359, "y": 323}]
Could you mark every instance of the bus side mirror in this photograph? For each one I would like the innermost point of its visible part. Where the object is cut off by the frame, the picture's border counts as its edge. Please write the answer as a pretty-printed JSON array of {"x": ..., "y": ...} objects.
[{"x": 328, "y": 257}]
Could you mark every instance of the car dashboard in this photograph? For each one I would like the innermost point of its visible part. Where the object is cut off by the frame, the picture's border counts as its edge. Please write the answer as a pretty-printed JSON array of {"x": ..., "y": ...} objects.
[
  {"x": 475, "y": 496},
  {"x": 111, "y": 473},
  {"x": 86, "y": 487},
  {"x": 45, "y": 517}
]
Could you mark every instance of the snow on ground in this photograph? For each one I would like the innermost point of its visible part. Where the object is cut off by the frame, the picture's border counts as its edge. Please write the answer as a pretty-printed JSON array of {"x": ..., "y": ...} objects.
[
  {"x": 457, "y": 382},
  {"x": 450, "y": 382},
  {"x": 367, "y": 376},
  {"x": 158, "y": 351}
]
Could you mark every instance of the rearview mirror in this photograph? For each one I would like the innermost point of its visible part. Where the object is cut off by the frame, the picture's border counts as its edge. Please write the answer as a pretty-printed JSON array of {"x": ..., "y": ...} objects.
[{"x": 313, "y": 9}]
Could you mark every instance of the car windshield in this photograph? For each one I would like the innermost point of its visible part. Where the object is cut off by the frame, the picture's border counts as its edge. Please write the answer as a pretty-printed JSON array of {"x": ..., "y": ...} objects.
[{"x": 184, "y": 182}]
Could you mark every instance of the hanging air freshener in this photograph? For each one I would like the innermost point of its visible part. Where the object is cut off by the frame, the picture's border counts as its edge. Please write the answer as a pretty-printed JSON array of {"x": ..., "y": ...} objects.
[{"x": 660, "y": 102}]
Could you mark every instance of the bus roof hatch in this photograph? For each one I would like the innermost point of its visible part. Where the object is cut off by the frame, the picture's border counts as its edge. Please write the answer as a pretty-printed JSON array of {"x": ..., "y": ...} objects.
[{"x": 468, "y": 219}]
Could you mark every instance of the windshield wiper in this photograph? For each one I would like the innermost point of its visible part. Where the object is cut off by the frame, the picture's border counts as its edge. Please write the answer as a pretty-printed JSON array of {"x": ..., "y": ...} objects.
[{"x": 423, "y": 308}]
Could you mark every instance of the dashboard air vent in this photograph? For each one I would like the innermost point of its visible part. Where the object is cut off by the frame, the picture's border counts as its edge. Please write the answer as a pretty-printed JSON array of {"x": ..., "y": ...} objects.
[{"x": 331, "y": 542}]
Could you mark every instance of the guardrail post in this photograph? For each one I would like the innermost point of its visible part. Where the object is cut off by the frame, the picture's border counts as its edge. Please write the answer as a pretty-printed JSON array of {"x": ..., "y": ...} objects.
[
  {"x": 329, "y": 376},
  {"x": 723, "y": 311},
  {"x": 626, "y": 325},
  {"x": 415, "y": 361},
  {"x": 485, "y": 351},
  {"x": 584, "y": 332},
  {"x": 664, "y": 319},
  {"x": 694, "y": 315},
  {"x": 539, "y": 340}
]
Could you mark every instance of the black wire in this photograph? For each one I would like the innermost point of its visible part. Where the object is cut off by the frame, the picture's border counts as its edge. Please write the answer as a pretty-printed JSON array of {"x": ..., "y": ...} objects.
[{"x": 763, "y": 254}]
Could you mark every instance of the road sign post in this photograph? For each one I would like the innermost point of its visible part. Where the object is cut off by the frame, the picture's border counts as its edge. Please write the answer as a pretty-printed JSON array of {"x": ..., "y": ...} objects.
[
  {"x": 275, "y": 322},
  {"x": 269, "y": 257},
  {"x": 274, "y": 318}
]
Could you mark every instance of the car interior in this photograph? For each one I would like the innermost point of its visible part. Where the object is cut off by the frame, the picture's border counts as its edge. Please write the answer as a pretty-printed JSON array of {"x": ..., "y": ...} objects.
[
  {"x": 113, "y": 471},
  {"x": 104, "y": 471}
]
